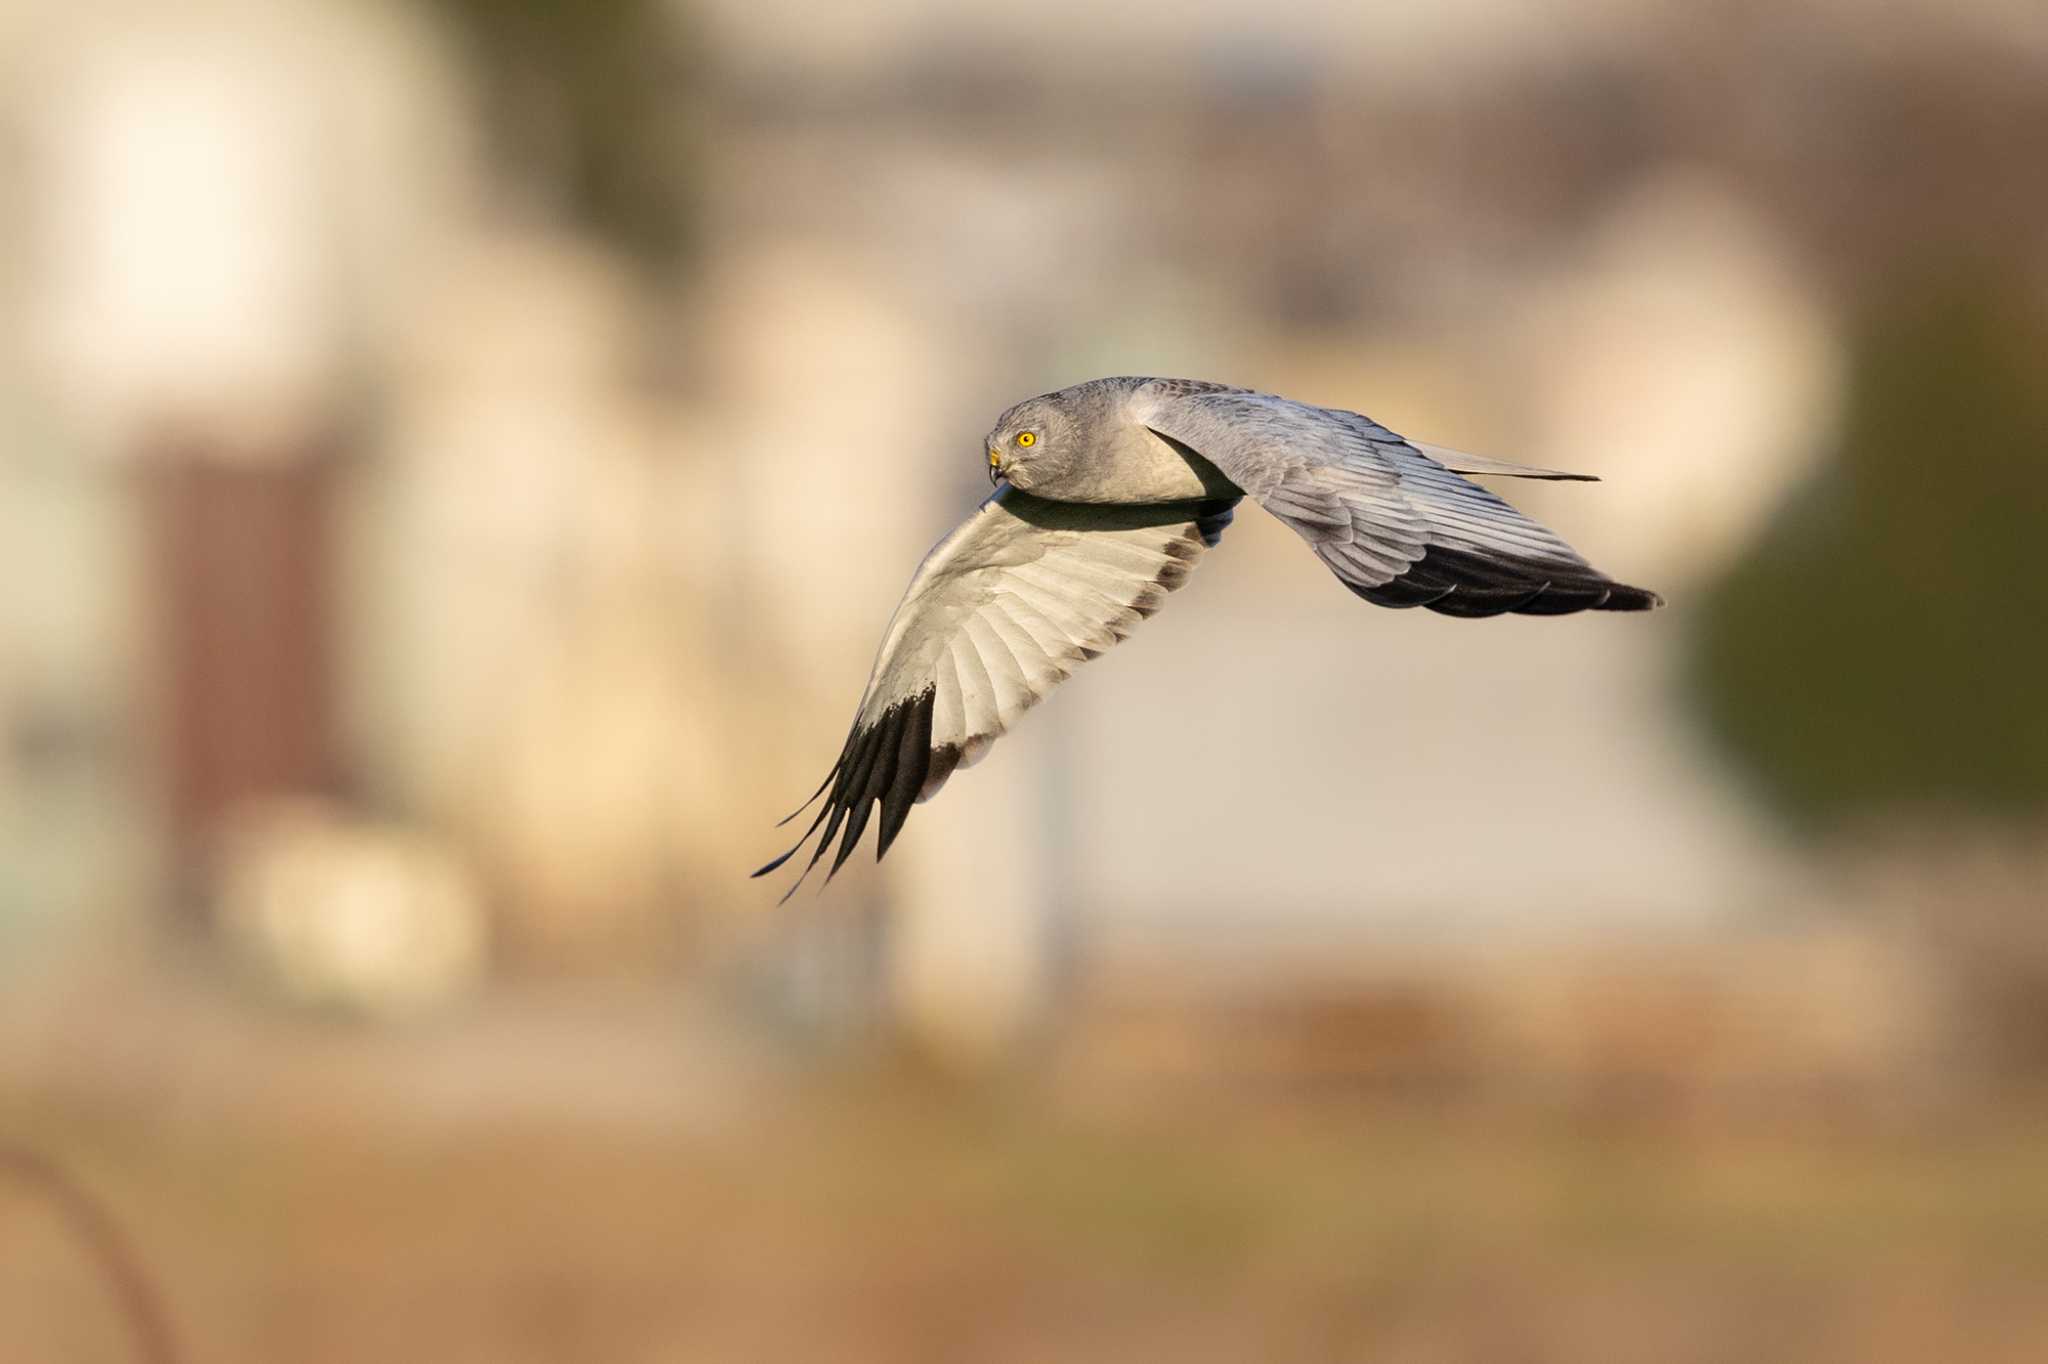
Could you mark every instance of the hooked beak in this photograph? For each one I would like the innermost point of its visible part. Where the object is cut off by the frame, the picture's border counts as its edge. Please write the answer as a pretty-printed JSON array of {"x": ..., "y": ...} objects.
[{"x": 995, "y": 466}]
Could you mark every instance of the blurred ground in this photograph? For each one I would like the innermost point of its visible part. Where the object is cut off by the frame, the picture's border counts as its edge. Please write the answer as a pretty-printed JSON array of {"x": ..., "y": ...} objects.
[
  {"x": 879, "y": 1218},
  {"x": 1634, "y": 1162}
]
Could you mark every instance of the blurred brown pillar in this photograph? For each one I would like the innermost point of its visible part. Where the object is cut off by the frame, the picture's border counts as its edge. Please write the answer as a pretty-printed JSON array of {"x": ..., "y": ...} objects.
[{"x": 238, "y": 554}]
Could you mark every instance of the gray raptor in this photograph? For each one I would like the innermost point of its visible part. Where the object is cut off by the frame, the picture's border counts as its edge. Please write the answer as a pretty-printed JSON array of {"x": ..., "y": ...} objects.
[{"x": 1106, "y": 495}]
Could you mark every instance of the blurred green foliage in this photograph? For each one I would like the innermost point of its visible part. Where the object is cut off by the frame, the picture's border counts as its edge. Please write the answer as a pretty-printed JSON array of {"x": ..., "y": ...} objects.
[
  {"x": 590, "y": 102},
  {"x": 1885, "y": 643}
]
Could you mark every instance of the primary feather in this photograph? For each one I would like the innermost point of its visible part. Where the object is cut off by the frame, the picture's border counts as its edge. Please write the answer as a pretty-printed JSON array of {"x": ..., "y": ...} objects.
[{"x": 999, "y": 613}]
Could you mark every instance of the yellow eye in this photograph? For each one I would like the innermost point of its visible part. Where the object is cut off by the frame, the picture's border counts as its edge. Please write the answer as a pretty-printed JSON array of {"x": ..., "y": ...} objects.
[{"x": 1025, "y": 438}]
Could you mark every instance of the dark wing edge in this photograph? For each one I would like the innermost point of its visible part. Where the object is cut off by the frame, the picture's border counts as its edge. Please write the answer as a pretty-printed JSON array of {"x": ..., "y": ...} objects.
[
  {"x": 889, "y": 760},
  {"x": 1472, "y": 585}
]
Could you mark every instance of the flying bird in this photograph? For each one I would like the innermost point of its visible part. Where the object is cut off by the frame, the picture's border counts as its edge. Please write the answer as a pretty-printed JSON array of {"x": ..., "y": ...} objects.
[{"x": 1106, "y": 495}]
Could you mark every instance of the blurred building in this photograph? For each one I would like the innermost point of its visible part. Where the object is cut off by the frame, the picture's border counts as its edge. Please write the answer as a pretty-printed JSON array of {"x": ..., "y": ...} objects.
[{"x": 361, "y": 465}]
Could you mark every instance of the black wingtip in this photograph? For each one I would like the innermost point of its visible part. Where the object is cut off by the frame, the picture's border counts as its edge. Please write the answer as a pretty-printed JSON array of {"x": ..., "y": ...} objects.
[
  {"x": 885, "y": 765},
  {"x": 1473, "y": 585},
  {"x": 913, "y": 766},
  {"x": 1626, "y": 598},
  {"x": 813, "y": 796},
  {"x": 763, "y": 871}
]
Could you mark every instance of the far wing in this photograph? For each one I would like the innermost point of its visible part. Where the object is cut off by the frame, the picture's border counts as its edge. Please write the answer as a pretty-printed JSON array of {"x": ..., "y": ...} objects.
[
  {"x": 1000, "y": 612},
  {"x": 1396, "y": 526}
]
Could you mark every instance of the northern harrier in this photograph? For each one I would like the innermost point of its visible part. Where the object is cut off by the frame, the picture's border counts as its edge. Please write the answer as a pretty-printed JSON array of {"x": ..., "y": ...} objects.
[{"x": 1106, "y": 495}]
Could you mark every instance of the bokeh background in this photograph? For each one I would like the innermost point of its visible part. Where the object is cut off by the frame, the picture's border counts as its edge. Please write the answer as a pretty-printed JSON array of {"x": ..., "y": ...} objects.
[{"x": 457, "y": 456}]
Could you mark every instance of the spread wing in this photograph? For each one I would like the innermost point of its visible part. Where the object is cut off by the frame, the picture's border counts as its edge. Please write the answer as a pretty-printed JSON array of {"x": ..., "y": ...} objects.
[
  {"x": 999, "y": 613},
  {"x": 1396, "y": 526}
]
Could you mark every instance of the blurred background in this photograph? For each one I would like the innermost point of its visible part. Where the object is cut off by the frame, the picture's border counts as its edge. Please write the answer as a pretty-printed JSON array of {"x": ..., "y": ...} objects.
[{"x": 457, "y": 457}]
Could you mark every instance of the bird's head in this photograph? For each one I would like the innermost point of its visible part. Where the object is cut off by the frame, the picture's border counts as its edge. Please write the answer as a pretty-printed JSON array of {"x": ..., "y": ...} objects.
[{"x": 1032, "y": 443}]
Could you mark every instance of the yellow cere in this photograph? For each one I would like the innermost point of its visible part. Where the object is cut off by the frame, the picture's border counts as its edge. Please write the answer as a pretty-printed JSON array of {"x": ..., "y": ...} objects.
[
  {"x": 995, "y": 460},
  {"x": 1026, "y": 438}
]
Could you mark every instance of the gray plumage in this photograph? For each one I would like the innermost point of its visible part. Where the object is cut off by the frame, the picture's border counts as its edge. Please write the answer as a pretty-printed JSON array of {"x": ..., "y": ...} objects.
[{"x": 1106, "y": 495}]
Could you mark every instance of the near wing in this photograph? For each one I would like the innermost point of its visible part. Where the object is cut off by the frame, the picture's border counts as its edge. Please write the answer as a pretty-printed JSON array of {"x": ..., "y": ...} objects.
[
  {"x": 1396, "y": 526},
  {"x": 999, "y": 613}
]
